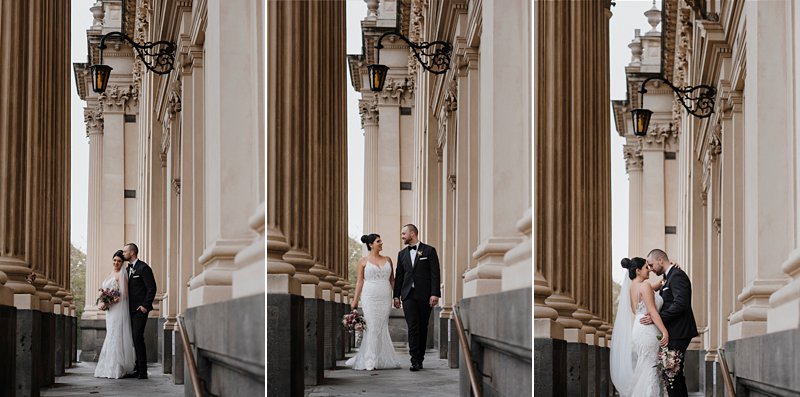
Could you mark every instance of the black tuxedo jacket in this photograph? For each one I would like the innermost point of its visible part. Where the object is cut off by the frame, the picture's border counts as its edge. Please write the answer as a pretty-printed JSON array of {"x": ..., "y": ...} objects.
[
  {"x": 677, "y": 309},
  {"x": 141, "y": 287},
  {"x": 424, "y": 274}
]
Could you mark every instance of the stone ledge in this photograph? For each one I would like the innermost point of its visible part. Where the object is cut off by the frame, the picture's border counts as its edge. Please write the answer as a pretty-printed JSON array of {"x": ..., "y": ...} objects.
[{"x": 757, "y": 367}]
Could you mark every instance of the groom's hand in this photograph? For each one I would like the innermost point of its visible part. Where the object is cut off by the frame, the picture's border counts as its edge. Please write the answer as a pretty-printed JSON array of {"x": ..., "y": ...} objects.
[
  {"x": 434, "y": 301},
  {"x": 646, "y": 320},
  {"x": 141, "y": 309},
  {"x": 396, "y": 303}
]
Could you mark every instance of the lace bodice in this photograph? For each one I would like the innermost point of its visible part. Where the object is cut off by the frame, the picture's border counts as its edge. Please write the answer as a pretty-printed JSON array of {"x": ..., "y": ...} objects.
[
  {"x": 373, "y": 272},
  {"x": 641, "y": 308}
]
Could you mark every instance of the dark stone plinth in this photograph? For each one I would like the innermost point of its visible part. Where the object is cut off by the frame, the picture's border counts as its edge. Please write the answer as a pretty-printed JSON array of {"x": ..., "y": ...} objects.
[
  {"x": 577, "y": 369},
  {"x": 48, "y": 349},
  {"x": 167, "y": 350},
  {"x": 285, "y": 332},
  {"x": 314, "y": 341},
  {"x": 592, "y": 370},
  {"x": 432, "y": 321},
  {"x": 8, "y": 349},
  {"x": 93, "y": 334},
  {"x": 398, "y": 329},
  {"x": 605, "y": 388},
  {"x": 339, "y": 330},
  {"x": 330, "y": 342},
  {"x": 178, "y": 359},
  {"x": 68, "y": 342},
  {"x": 29, "y": 353},
  {"x": 499, "y": 329},
  {"x": 767, "y": 364},
  {"x": 229, "y": 345},
  {"x": 693, "y": 362},
  {"x": 441, "y": 336},
  {"x": 58, "y": 364},
  {"x": 453, "y": 345}
]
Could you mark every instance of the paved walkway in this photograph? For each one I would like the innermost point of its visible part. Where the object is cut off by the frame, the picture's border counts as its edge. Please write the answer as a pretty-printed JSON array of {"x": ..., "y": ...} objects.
[
  {"x": 437, "y": 379},
  {"x": 80, "y": 381}
]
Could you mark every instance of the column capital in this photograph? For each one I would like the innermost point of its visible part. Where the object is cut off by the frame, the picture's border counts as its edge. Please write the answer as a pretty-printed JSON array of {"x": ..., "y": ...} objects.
[
  {"x": 368, "y": 109},
  {"x": 93, "y": 117}
]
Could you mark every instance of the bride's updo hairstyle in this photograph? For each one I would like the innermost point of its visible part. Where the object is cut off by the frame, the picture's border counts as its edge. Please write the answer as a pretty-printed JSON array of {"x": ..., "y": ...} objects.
[
  {"x": 632, "y": 265},
  {"x": 118, "y": 254},
  {"x": 368, "y": 239}
]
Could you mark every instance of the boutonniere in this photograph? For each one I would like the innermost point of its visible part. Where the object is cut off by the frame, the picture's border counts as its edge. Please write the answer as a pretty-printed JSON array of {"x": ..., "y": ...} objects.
[{"x": 419, "y": 252}]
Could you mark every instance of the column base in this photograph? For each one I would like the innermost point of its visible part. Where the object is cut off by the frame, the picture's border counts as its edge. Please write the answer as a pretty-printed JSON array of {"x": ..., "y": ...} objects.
[
  {"x": 784, "y": 312},
  {"x": 166, "y": 347},
  {"x": 453, "y": 344},
  {"x": 178, "y": 360},
  {"x": 761, "y": 369},
  {"x": 60, "y": 345},
  {"x": 442, "y": 335},
  {"x": 329, "y": 339}
]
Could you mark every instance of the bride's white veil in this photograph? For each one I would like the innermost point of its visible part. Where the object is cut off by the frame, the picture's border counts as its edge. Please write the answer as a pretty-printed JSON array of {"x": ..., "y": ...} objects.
[{"x": 622, "y": 356}]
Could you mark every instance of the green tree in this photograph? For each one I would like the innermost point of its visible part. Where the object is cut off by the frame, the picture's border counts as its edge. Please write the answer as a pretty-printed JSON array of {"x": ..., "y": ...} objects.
[
  {"x": 354, "y": 254},
  {"x": 77, "y": 281}
]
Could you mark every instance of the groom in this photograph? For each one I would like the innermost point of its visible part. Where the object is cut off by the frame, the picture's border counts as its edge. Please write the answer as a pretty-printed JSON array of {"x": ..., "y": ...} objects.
[
  {"x": 417, "y": 284},
  {"x": 676, "y": 312},
  {"x": 141, "y": 292}
]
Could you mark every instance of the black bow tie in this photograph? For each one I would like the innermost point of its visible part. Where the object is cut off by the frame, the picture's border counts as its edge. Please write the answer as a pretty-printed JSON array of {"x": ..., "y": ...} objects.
[{"x": 412, "y": 247}]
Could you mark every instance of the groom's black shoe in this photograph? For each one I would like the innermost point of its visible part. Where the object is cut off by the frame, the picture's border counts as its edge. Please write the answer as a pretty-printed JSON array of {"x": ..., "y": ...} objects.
[
  {"x": 142, "y": 375},
  {"x": 415, "y": 367}
]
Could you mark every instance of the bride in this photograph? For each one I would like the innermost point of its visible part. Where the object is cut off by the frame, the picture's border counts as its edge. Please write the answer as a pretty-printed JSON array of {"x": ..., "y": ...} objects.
[
  {"x": 117, "y": 355},
  {"x": 376, "y": 282},
  {"x": 634, "y": 346}
]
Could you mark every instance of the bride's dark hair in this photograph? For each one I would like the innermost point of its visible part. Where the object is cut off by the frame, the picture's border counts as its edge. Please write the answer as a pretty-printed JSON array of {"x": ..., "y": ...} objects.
[
  {"x": 368, "y": 239},
  {"x": 118, "y": 254},
  {"x": 632, "y": 265}
]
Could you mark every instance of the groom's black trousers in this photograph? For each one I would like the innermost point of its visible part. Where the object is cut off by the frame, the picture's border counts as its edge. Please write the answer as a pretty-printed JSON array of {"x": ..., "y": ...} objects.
[
  {"x": 679, "y": 385},
  {"x": 417, "y": 312},
  {"x": 138, "y": 322}
]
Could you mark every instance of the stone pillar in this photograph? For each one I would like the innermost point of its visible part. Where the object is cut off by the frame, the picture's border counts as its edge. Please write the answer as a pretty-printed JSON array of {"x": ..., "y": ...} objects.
[
  {"x": 634, "y": 166},
  {"x": 227, "y": 209},
  {"x": 285, "y": 319},
  {"x": 769, "y": 233}
]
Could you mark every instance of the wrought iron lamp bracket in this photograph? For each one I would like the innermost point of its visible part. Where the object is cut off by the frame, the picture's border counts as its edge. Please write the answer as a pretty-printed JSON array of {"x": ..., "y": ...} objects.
[
  {"x": 162, "y": 52},
  {"x": 438, "y": 53},
  {"x": 697, "y": 100}
]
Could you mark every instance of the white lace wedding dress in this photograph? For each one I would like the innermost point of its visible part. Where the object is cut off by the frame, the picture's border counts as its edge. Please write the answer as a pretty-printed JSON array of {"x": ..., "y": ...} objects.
[
  {"x": 376, "y": 349},
  {"x": 117, "y": 356},
  {"x": 646, "y": 379}
]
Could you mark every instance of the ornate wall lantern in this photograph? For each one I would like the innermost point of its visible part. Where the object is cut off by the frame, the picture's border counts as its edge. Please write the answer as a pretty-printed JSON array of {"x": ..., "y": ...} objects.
[
  {"x": 436, "y": 54},
  {"x": 698, "y": 101},
  {"x": 162, "y": 61}
]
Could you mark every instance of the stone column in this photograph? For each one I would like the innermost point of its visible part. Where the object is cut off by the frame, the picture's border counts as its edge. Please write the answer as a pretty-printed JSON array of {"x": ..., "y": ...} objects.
[
  {"x": 502, "y": 192},
  {"x": 285, "y": 319},
  {"x": 93, "y": 117},
  {"x": 769, "y": 233},
  {"x": 368, "y": 109},
  {"x": 633, "y": 166}
]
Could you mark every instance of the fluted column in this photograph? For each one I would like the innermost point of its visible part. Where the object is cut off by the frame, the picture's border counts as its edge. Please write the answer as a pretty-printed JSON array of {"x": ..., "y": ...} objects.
[
  {"x": 369, "y": 123},
  {"x": 93, "y": 116},
  {"x": 633, "y": 166},
  {"x": 769, "y": 232},
  {"x": 500, "y": 122}
]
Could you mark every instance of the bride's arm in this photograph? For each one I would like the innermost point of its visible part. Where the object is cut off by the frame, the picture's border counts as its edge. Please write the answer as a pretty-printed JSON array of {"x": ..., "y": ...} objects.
[
  {"x": 361, "y": 264},
  {"x": 391, "y": 273},
  {"x": 650, "y": 301}
]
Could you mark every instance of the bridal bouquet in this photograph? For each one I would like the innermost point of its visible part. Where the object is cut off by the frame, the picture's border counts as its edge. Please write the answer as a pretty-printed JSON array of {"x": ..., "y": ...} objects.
[
  {"x": 354, "y": 321},
  {"x": 108, "y": 297},
  {"x": 669, "y": 363}
]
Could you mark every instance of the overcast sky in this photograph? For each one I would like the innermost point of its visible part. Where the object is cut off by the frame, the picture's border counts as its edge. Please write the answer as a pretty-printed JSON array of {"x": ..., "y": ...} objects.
[{"x": 79, "y": 177}]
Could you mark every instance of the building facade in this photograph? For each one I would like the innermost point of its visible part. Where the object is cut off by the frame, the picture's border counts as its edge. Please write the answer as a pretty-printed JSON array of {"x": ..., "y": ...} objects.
[
  {"x": 450, "y": 153},
  {"x": 37, "y": 314},
  {"x": 177, "y": 166},
  {"x": 727, "y": 185}
]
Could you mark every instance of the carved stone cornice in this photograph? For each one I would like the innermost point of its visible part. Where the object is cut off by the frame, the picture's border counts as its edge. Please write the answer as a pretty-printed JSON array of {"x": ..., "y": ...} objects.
[
  {"x": 396, "y": 90},
  {"x": 660, "y": 135},
  {"x": 141, "y": 24},
  {"x": 368, "y": 109},
  {"x": 93, "y": 117},
  {"x": 116, "y": 98}
]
